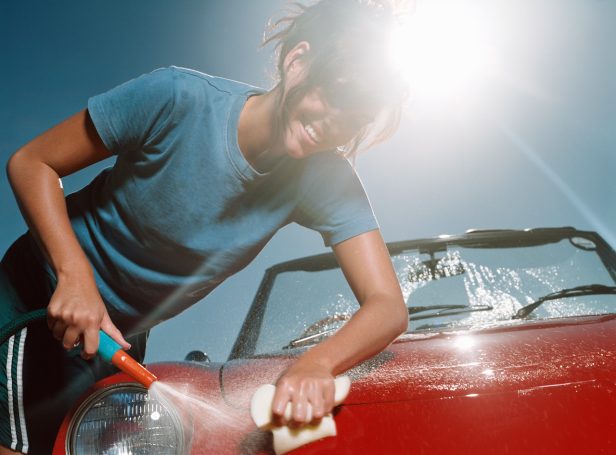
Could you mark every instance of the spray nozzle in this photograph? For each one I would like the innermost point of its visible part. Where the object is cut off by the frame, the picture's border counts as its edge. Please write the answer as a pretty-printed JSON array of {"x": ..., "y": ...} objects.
[{"x": 111, "y": 351}]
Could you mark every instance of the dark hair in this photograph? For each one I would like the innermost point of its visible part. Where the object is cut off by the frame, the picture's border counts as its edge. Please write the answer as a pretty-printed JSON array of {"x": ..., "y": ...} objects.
[{"x": 348, "y": 59}]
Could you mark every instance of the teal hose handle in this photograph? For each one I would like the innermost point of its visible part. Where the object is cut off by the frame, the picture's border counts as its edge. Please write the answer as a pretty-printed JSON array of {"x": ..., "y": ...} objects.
[{"x": 107, "y": 347}]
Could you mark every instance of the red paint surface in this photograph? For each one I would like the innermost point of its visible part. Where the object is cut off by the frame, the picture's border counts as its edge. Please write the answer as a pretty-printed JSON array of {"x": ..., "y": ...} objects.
[{"x": 546, "y": 387}]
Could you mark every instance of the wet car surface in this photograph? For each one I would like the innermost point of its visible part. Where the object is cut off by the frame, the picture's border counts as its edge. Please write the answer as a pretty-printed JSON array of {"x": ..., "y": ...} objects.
[{"x": 510, "y": 349}]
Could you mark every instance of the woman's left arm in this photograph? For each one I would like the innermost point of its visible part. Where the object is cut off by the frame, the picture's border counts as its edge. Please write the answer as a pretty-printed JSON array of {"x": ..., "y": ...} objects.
[{"x": 382, "y": 317}]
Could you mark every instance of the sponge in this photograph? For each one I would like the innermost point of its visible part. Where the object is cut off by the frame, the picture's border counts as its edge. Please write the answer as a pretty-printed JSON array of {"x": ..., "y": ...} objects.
[{"x": 285, "y": 438}]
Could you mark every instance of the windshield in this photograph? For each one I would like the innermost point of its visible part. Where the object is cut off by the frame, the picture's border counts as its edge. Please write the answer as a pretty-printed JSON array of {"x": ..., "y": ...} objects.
[{"x": 487, "y": 285}]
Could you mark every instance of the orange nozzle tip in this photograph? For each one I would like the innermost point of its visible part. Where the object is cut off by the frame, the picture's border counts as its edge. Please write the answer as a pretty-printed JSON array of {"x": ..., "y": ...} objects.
[{"x": 133, "y": 368}]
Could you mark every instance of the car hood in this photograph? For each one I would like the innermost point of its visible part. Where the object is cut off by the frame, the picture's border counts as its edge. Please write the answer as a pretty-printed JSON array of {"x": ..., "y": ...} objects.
[{"x": 525, "y": 358}]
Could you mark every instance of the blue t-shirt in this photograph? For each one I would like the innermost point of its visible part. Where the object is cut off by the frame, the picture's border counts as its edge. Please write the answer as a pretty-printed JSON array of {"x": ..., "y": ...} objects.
[{"x": 182, "y": 209}]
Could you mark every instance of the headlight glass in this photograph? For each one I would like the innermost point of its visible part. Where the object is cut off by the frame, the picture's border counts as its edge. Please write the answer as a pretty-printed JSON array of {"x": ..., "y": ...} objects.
[{"x": 126, "y": 420}]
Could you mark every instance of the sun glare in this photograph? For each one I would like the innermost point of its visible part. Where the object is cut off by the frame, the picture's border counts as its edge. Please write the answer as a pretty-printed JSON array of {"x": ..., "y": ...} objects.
[{"x": 446, "y": 49}]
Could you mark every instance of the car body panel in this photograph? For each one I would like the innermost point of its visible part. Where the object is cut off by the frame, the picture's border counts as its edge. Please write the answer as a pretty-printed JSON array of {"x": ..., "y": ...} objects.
[
  {"x": 462, "y": 392},
  {"x": 452, "y": 392},
  {"x": 513, "y": 386},
  {"x": 463, "y": 362}
]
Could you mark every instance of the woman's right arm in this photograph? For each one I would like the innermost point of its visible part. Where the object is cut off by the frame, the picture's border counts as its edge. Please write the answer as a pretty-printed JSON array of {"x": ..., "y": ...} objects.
[{"x": 76, "y": 311}]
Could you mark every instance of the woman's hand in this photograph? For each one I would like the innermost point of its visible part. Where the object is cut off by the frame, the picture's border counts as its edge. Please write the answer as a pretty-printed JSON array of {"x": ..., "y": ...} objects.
[
  {"x": 76, "y": 313},
  {"x": 305, "y": 385}
]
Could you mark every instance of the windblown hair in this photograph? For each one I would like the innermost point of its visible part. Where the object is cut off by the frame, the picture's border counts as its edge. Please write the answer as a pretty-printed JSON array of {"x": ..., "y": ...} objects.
[{"x": 348, "y": 58}]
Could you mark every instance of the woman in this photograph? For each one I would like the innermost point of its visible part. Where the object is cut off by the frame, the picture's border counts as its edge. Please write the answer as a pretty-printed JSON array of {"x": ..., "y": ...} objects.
[{"x": 207, "y": 171}]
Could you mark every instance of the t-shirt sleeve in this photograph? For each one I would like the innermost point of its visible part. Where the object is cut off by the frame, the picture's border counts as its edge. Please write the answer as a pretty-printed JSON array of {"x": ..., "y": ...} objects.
[
  {"x": 332, "y": 200},
  {"x": 131, "y": 115}
]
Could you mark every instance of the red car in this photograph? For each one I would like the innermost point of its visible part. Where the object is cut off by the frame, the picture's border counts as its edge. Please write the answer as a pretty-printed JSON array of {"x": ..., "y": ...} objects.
[{"x": 511, "y": 348}]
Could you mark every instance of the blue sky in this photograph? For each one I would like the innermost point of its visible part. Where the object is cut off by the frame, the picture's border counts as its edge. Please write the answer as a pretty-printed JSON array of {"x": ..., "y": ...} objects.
[{"x": 531, "y": 145}]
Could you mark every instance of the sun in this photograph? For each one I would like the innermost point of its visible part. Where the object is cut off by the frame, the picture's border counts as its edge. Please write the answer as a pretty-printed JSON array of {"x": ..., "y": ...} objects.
[{"x": 446, "y": 49}]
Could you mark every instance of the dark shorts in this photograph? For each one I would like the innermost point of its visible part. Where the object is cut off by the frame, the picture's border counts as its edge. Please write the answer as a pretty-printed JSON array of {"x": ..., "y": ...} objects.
[{"x": 39, "y": 380}]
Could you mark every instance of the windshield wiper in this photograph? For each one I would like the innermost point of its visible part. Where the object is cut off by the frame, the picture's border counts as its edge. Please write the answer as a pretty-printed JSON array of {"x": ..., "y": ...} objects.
[
  {"x": 309, "y": 339},
  {"x": 419, "y": 309},
  {"x": 446, "y": 310},
  {"x": 588, "y": 289}
]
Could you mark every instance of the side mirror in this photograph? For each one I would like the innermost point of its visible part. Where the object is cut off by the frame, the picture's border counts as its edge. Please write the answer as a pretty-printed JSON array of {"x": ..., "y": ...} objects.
[{"x": 197, "y": 356}]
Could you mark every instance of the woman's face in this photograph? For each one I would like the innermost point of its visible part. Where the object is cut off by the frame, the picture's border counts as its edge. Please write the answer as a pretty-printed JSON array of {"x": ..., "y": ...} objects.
[
  {"x": 322, "y": 119},
  {"x": 314, "y": 125}
]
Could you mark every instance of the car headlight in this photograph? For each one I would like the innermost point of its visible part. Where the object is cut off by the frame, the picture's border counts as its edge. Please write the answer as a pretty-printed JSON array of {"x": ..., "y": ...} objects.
[{"x": 125, "y": 420}]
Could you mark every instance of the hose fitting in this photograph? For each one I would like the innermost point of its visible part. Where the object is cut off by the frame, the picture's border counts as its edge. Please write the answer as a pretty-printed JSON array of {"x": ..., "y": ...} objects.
[{"x": 111, "y": 351}]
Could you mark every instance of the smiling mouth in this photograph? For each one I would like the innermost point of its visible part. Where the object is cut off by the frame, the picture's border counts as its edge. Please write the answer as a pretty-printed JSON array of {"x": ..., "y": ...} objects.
[{"x": 312, "y": 134}]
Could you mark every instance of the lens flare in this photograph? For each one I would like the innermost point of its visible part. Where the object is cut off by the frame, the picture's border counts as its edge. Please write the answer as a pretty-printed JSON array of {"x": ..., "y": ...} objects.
[{"x": 445, "y": 49}]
